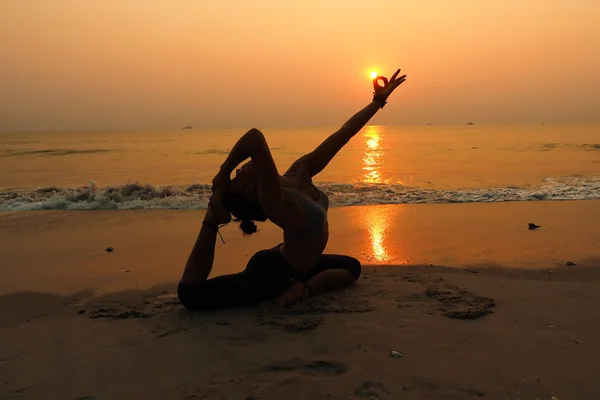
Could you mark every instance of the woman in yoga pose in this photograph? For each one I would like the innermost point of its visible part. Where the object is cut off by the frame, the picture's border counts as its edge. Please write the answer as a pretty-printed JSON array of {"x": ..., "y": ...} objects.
[{"x": 296, "y": 268}]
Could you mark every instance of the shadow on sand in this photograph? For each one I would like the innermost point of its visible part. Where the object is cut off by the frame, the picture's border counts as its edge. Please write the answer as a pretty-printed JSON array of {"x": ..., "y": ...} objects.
[{"x": 433, "y": 288}]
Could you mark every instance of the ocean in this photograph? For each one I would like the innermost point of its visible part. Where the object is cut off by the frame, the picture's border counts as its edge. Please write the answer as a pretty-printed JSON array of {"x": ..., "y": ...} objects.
[{"x": 173, "y": 169}]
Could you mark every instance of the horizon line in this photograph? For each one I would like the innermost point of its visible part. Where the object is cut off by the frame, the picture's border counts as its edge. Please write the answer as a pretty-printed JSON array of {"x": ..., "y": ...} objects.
[{"x": 285, "y": 127}]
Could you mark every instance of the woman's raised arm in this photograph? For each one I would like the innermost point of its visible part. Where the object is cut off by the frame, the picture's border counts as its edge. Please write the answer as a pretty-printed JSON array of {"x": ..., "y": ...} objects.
[{"x": 313, "y": 163}]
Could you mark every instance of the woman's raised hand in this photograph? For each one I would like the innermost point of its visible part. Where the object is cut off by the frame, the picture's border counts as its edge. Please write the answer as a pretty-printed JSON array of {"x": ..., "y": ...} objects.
[{"x": 383, "y": 92}]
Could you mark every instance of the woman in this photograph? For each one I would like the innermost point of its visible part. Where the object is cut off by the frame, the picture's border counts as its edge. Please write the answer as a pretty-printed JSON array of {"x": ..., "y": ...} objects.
[{"x": 297, "y": 268}]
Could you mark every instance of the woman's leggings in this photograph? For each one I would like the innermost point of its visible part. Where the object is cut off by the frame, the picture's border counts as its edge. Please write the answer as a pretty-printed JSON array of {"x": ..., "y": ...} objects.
[{"x": 267, "y": 275}]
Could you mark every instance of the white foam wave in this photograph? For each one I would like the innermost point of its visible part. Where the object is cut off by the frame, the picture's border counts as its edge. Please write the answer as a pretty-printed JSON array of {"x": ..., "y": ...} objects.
[{"x": 137, "y": 196}]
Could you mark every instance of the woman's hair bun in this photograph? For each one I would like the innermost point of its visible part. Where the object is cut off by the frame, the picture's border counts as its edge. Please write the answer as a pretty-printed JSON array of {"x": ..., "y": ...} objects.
[{"x": 248, "y": 227}]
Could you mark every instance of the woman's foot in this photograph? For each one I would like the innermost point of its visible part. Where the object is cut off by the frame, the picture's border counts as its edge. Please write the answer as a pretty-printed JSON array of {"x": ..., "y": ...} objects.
[
  {"x": 295, "y": 292},
  {"x": 216, "y": 214}
]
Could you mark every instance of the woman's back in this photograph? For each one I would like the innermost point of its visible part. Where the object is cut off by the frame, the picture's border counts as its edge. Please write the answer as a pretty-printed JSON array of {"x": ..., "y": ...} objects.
[{"x": 303, "y": 246}]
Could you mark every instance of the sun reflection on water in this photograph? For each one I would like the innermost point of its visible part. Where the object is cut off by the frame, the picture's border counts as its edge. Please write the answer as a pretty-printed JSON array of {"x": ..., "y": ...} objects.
[
  {"x": 373, "y": 158},
  {"x": 379, "y": 222},
  {"x": 377, "y": 234}
]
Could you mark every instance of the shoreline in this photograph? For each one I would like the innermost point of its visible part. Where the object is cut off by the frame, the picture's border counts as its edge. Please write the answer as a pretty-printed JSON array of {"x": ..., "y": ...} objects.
[
  {"x": 137, "y": 196},
  {"x": 62, "y": 251}
]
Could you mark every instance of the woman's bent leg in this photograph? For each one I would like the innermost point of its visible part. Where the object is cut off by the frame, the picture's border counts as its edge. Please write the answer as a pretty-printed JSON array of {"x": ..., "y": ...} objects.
[
  {"x": 199, "y": 263},
  {"x": 266, "y": 276},
  {"x": 328, "y": 262},
  {"x": 224, "y": 291},
  {"x": 331, "y": 272}
]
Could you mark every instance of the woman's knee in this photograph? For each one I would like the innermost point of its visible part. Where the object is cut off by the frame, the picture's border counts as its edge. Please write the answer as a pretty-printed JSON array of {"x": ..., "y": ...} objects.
[
  {"x": 189, "y": 297},
  {"x": 268, "y": 266},
  {"x": 259, "y": 258},
  {"x": 354, "y": 267}
]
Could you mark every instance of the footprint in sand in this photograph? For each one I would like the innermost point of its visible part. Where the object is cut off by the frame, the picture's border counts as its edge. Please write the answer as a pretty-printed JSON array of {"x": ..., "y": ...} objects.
[
  {"x": 293, "y": 323},
  {"x": 459, "y": 303},
  {"x": 370, "y": 390},
  {"x": 451, "y": 301},
  {"x": 472, "y": 393},
  {"x": 308, "y": 367},
  {"x": 306, "y": 316},
  {"x": 116, "y": 313}
]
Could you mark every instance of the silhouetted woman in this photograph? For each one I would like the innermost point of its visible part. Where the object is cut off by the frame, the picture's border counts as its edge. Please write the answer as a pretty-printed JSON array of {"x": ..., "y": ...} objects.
[{"x": 296, "y": 268}]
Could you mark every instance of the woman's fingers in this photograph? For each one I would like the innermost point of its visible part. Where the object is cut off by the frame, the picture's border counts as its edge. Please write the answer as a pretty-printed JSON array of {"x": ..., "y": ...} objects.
[
  {"x": 399, "y": 80},
  {"x": 392, "y": 84},
  {"x": 377, "y": 86},
  {"x": 398, "y": 83}
]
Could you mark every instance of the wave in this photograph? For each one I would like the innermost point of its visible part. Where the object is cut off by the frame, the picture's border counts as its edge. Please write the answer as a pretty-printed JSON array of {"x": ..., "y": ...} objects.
[{"x": 132, "y": 196}]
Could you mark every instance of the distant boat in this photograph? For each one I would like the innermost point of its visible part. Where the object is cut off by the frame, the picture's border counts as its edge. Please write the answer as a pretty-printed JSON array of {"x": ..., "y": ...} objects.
[
  {"x": 187, "y": 127},
  {"x": 470, "y": 123}
]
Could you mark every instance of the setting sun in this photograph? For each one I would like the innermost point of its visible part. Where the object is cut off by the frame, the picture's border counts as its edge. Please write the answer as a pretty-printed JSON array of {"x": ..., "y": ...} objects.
[{"x": 373, "y": 74}]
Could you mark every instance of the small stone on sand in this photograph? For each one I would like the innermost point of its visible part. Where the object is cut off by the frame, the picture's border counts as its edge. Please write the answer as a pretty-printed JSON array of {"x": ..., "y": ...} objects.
[
  {"x": 570, "y": 263},
  {"x": 396, "y": 354},
  {"x": 109, "y": 249}
]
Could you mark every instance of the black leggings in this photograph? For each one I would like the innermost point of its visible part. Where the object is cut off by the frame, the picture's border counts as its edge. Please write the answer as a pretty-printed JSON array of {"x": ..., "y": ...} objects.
[{"x": 266, "y": 276}]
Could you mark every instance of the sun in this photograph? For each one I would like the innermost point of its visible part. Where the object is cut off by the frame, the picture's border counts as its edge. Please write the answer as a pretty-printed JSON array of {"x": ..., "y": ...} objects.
[{"x": 373, "y": 74}]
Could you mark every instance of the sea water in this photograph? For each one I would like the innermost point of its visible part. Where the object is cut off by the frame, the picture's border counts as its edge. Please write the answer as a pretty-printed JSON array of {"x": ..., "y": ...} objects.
[{"x": 380, "y": 165}]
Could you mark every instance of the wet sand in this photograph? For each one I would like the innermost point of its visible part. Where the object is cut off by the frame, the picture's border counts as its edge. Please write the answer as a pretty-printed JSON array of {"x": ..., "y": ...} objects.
[{"x": 477, "y": 305}]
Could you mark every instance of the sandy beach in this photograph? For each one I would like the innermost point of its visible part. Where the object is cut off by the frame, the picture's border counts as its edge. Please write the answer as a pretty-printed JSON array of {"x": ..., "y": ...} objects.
[{"x": 474, "y": 303}]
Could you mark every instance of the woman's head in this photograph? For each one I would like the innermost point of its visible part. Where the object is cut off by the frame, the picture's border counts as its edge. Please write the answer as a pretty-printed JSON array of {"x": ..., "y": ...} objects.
[{"x": 241, "y": 200}]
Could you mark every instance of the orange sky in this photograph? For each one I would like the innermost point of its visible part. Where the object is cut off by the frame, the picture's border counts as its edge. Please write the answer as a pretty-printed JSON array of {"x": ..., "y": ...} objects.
[{"x": 72, "y": 64}]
